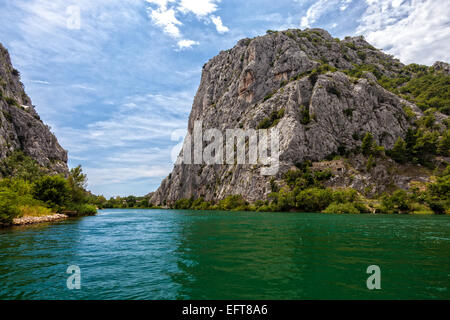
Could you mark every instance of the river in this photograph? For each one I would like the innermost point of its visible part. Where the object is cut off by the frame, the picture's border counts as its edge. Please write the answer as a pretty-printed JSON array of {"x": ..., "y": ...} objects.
[{"x": 170, "y": 254}]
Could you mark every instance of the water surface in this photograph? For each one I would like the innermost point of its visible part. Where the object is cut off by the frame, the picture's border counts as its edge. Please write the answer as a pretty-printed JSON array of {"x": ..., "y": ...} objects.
[{"x": 168, "y": 254}]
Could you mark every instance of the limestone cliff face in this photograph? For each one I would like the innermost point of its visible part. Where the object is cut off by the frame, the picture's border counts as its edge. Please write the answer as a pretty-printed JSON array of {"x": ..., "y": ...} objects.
[
  {"x": 242, "y": 86},
  {"x": 20, "y": 125}
]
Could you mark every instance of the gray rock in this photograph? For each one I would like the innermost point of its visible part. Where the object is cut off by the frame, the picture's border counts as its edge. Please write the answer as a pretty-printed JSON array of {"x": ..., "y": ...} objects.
[
  {"x": 243, "y": 85},
  {"x": 20, "y": 125}
]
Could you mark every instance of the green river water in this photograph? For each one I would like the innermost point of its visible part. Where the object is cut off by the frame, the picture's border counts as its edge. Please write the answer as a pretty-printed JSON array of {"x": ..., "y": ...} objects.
[{"x": 170, "y": 254}]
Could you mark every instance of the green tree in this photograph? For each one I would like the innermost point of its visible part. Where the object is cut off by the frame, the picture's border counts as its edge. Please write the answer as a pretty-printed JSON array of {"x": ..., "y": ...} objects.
[
  {"x": 438, "y": 193},
  {"x": 367, "y": 144},
  {"x": 400, "y": 153},
  {"x": 8, "y": 206},
  {"x": 444, "y": 144},
  {"x": 53, "y": 190},
  {"x": 77, "y": 182}
]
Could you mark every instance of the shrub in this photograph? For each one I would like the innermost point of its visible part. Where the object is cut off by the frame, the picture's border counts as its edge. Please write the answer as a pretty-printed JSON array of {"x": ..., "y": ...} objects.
[
  {"x": 304, "y": 115},
  {"x": 438, "y": 193},
  {"x": 8, "y": 206},
  {"x": 273, "y": 120},
  {"x": 11, "y": 101},
  {"x": 20, "y": 166},
  {"x": 233, "y": 202},
  {"x": 398, "y": 202},
  {"x": 54, "y": 191},
  {"x": 341, "y": 208},
  {"x": 83, "y": 209},
  {"x": 345, "y": 195},
  {"x": 367, "y": 144},
  {"x": 183, "y": 204},
  {"x": 349, "y": 114},
  {"x": 314, "y": 199},
  {"x": 399, "y": 153},
  {"x": 443, "y": 147}
]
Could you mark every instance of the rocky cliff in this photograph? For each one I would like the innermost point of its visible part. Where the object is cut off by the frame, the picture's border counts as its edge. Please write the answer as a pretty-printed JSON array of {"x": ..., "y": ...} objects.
[
  {"x": 20, "y": 126},
  {"x": 324, "y": 95}
]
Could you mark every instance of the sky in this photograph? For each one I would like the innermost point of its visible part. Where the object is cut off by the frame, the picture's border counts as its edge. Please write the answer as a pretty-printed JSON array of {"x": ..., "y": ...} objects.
[{"x": 115, "y": 79}]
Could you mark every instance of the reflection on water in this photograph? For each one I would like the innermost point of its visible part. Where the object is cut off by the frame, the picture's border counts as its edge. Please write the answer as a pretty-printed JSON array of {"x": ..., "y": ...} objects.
[{"x": 166, "y": 254}]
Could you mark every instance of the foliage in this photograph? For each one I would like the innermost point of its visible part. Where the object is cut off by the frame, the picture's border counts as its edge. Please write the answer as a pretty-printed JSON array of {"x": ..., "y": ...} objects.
[
  {"x": 313, "y": 199},
  {"x": 370, "y": 147},
  {"x": 398, "y": 202},
  {"x": 273, "y": 120},
  {"x": 52, "y": 190},
  {"x": 234, "y": 203},
  {"x": 83, "y": 209},
  {"x": 304, "y": 115},
  {"x": 122, "y": 202},
  {"x": 399, "y": 152},
  {"x": 421, "y": 85},
  {"x": 438, "y": 193},
  {"x": 20, "y": 166},
  {"x": 77, "y": 182},
  {"x": 358, "y": 70},
  {"x": 341, "y": 208},
  {"x": 8, "y": 206}
]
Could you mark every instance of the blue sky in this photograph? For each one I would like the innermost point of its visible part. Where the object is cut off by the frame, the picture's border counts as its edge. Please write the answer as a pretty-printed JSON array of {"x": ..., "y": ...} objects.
[{"x": 117, "y": 85}]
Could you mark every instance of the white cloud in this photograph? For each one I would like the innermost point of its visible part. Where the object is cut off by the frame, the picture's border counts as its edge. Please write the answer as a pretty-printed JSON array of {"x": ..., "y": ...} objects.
[
  {"x": 129, "y": 125},
  {"x": 165, "y": 18},
  {"x": 200, "y": 8},
  {"x": 344, "y": 5},
  {"x": 414, "y": 31},
  {"x": 316, "y": 11},
  {"x": 40, "y": 82},
  {"x": 219, "y": 24},
  {"x": 166, "y": 15},
  {"x": 186, "y": 44}
]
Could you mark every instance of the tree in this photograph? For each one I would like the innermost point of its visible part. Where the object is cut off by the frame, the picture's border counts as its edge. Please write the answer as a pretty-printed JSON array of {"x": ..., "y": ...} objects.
[
  {"x": 53, "y": 190},
  {"x": 444, "y": 144},
  {"x": 77, "y": 182},
  {"x": 438, "y": 193},
  {"x": 8, "y": 206},
  {"x": 399, "y": 153},
  {"x": 367, "y": 144}
]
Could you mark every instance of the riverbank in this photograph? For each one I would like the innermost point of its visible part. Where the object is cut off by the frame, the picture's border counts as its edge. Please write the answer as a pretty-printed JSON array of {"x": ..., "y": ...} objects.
[{"x": 28, "y": 220}]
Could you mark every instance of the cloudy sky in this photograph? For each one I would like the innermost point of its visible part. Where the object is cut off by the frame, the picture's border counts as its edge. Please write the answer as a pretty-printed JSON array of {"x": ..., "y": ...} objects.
[{"x": 116, "y": 85}]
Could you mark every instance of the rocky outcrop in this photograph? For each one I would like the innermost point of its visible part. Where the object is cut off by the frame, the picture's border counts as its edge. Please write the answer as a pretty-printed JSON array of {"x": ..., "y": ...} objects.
[
  {"x": 20, "y": 125},
  {"x": 323, "y": 113},
  {"x": 442, "y": 67}
]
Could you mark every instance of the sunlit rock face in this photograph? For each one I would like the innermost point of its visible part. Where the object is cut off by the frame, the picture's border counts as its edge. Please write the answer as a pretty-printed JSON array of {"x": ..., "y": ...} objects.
[{"x": 324, "y": 112}]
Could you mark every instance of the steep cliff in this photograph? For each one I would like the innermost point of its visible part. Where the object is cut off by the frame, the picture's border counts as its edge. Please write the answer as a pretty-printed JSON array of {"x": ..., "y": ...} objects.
[
  {"x": 20, "y": 126},
  {"x": 325, "y": 96}
]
